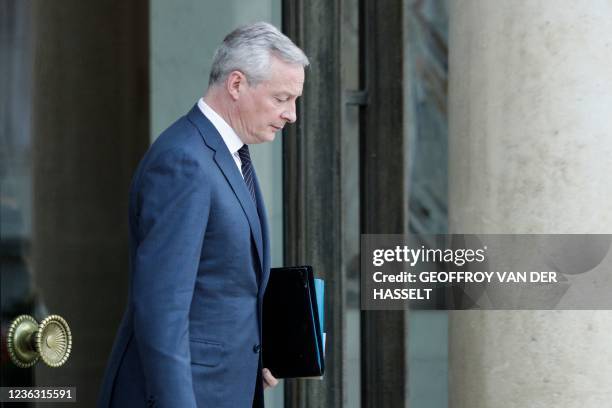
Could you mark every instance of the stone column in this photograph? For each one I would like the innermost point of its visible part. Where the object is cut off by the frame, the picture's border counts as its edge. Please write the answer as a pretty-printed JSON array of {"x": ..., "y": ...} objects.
[{"x": 530, "y": 98}]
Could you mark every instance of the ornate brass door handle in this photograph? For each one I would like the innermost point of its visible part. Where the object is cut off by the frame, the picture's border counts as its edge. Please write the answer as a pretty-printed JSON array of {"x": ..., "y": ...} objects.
[{"x": 27, "y": 341}]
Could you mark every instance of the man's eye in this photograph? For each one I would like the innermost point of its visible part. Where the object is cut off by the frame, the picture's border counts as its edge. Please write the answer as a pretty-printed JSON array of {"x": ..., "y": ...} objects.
[{"x": 279, "y": 99}]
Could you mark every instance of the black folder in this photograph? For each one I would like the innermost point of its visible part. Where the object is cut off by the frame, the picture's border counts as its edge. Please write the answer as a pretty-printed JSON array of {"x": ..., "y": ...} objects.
[{"x": 293, "y": 338}]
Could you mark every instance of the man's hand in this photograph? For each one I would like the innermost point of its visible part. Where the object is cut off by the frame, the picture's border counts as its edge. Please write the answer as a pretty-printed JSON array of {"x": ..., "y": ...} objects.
[{"x": 268, "y": 379}]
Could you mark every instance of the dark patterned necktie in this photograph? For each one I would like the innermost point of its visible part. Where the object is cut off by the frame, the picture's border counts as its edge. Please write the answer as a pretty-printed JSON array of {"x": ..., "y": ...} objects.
[{"x": 247, "y": 170}]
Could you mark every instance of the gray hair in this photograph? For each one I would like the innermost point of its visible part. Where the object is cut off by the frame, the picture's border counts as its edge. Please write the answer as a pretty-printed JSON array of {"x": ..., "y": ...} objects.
[{"x": 248, "y": 49}]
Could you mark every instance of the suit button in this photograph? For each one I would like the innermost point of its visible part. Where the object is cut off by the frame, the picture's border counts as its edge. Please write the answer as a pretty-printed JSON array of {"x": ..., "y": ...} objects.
[{"x": 256, "y": 348}]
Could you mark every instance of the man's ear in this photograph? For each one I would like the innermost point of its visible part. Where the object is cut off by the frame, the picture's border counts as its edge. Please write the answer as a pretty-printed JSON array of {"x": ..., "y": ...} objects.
[{"x": 235, "y": 83}]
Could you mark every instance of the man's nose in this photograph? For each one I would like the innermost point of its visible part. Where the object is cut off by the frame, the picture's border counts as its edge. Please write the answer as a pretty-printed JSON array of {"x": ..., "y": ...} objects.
[{"x": 289, "y": 115}]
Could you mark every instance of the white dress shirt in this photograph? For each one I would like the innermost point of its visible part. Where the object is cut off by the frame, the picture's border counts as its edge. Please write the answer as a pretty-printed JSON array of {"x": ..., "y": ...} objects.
[{"x": 231, "y": 139}]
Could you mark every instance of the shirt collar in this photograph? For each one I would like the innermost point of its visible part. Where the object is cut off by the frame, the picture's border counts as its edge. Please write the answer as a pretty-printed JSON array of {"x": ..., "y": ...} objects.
[{"x": 231, "y": 139}]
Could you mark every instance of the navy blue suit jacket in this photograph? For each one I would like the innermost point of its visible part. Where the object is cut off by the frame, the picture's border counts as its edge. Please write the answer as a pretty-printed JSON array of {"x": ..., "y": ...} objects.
[{"x": 200, "y": 262}]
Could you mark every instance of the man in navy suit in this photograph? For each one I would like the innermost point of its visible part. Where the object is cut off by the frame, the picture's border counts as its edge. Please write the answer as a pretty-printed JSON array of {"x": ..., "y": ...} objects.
[{"x": 200, "y": 258}]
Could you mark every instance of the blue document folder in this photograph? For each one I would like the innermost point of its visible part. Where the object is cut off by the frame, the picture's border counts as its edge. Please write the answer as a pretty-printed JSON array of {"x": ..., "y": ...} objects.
[{"x": 319, "y": 285}]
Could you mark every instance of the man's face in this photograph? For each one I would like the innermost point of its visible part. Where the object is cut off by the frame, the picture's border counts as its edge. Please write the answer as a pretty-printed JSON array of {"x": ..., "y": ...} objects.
[{"x": 265, "y": 108}]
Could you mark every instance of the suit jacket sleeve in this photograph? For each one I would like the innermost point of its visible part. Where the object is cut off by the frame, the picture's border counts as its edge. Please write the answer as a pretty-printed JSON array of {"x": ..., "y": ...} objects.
[{"x": 173, "y": 203}]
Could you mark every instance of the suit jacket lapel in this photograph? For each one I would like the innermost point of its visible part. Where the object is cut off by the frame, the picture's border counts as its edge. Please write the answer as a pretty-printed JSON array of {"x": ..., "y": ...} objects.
[
  {"x": 226, "y": 163},
  {"x": 261, "y": 209}
]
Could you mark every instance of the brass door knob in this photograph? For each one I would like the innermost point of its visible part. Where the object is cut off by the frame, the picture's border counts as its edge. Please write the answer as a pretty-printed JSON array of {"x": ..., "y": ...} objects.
[{"x": 27, "y": 341}]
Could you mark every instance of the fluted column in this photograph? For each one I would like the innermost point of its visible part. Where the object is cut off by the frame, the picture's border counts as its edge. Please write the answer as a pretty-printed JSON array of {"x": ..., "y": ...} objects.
[{"x": 530, "y": 151}]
